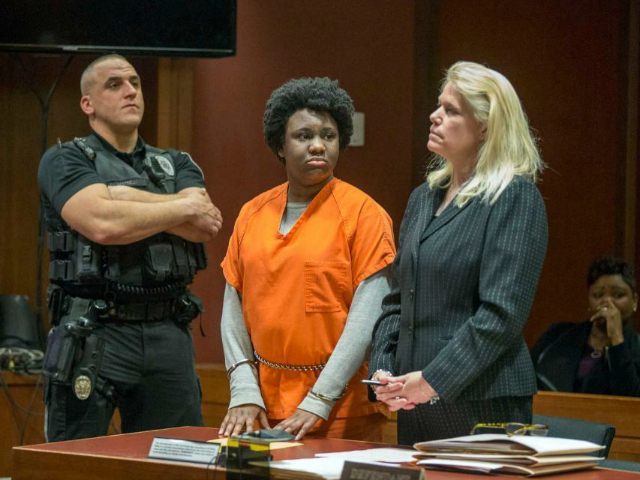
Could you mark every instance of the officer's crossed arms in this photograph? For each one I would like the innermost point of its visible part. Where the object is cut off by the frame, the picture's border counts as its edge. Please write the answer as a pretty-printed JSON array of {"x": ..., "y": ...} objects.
[{"x": 96, "y": 214}]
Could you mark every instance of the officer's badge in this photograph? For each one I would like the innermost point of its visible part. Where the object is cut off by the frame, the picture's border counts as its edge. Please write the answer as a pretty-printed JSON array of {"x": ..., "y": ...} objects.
[
  {"x": 166, "y": 165},
  {"x": 82, "y": 387}
]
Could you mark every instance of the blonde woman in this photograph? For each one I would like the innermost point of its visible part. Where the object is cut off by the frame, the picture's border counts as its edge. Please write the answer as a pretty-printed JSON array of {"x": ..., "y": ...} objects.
[{"x": 448, "y": 346}]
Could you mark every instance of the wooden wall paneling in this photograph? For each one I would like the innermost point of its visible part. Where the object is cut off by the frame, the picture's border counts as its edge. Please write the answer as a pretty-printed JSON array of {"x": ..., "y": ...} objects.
[
  {"x": 631, "y": 133},
  {"x": 21, "y": 131},
  {"x": 175, "y": 101},
  {"x": 636, "y": 7},
  {"x": 19, "y": 153},
  {"x": 632, "y": 173},
  {"x": 215, "y": 392},
  {"x": 427, "y": 76},
  {"x": 569, "y": 80}
]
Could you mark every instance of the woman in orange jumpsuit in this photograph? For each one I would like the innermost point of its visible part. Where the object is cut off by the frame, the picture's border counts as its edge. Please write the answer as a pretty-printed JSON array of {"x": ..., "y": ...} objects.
[{"x": 306, "y": 270}]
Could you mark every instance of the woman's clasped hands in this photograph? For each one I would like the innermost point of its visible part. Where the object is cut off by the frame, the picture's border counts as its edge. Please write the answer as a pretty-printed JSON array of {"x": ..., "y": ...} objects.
[{"x": 403, "y": 392}]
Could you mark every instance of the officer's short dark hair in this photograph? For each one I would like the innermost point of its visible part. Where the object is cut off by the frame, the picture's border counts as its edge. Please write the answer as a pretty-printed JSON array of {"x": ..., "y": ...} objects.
[
  {"x": 610, "y": 265},
  {"x": 319, "y": 94},
  {"x": 85, "y": 84}
]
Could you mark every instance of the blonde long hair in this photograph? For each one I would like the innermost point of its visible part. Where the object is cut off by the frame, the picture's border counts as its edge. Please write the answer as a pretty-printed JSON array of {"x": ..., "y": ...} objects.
[{"x": 509, "y": 148}]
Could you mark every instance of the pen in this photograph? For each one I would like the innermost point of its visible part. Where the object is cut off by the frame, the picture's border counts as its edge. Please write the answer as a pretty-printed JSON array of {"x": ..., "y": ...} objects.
[{"x": 372, "y": 382}]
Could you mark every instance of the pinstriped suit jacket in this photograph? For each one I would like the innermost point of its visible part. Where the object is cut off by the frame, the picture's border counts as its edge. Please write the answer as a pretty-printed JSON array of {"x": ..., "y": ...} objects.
[{"x": 464, "y": 285}]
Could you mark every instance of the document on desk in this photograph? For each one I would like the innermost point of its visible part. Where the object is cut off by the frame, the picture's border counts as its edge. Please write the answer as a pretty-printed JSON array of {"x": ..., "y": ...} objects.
[
  {"x": 309, "y": 468},
  {"x": 183, "y": 450},
  {"x": 505, "y": 468},
  {"x": 512, "y": 445},
  {"x": 511, "y": 459},
  {"x": 331, "y": 464},
  {"x": 376, "y": 455},
  {"x": 499, "y": 453}
]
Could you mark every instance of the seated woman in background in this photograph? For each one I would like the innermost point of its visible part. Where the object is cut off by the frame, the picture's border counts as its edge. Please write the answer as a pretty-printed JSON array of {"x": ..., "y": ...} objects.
[{"x": 602, "y": 354}]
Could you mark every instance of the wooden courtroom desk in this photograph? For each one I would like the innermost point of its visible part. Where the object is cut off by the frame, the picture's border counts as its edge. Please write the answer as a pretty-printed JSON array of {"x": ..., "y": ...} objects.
[{"x": 125, "y": 457}]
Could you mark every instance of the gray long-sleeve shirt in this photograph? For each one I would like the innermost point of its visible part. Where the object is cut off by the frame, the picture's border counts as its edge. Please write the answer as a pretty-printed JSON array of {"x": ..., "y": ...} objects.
[{"x": 346, "y": 358}]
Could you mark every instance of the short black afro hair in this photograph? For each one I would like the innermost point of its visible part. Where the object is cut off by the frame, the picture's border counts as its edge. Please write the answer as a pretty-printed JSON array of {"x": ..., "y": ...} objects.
[
  {"x": 320, "y": 94},
  {"x": 611, "y": 266}
]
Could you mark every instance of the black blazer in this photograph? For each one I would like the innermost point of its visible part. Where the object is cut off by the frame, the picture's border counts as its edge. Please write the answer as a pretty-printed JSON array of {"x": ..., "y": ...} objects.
[
  {"x": 465, "y": 282},
  {"x": 557, "y": 354}
]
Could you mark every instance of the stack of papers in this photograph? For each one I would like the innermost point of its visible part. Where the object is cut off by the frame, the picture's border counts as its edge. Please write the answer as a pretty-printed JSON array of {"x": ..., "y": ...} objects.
[
  {"x": 500, "y": 453},
  {"x": 329, "y": 466}
]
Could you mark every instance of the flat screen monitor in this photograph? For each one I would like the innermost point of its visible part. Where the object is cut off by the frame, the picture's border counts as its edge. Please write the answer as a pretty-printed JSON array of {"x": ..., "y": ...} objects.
[{"x": 192, "y": 28}]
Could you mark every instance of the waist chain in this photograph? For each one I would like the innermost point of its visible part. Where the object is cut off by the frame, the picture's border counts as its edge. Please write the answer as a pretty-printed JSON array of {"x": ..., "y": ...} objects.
[{"x": 284, "y": 366}]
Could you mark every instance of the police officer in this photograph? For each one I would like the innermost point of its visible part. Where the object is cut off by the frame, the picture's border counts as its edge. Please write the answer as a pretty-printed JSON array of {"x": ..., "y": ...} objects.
[{"x": 126, "y": 223}]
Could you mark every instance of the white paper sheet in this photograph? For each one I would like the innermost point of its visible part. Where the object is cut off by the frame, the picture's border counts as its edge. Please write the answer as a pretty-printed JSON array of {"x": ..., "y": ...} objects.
[
  {"x": 384, "y": 455},
  {"x": 329, "y": 468}
]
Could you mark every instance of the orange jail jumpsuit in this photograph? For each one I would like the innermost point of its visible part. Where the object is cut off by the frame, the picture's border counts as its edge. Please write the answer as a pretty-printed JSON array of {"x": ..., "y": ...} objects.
[{"x": 297, "y": 288}]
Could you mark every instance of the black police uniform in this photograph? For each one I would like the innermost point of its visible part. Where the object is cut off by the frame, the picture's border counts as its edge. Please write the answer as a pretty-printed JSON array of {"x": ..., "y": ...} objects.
[{"x": 121, "y": 335}]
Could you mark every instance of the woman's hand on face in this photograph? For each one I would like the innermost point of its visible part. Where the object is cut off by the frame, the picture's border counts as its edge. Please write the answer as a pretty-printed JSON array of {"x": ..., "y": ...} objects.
[
  {"x": 299, "y": 423},
  {"x": 609, "y": 316},
  {"x": 242, "y": 419},
  {"x": 405, "y": 391}
]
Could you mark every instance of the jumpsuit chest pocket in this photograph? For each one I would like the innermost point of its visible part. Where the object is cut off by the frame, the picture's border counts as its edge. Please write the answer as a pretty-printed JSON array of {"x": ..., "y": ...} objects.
[{"x": 325, "y": 286}]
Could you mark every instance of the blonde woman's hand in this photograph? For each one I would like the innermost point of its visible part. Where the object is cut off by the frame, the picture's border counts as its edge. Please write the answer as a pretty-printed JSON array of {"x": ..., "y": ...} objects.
[{"x": 406, "y": 391}]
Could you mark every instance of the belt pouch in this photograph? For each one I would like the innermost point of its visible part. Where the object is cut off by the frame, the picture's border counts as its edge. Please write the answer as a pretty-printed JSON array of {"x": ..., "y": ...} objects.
[
  {"x": 158, "y": 262},
  {"x": 87, "y": 260},
  {"x": 61, "y": 352}
]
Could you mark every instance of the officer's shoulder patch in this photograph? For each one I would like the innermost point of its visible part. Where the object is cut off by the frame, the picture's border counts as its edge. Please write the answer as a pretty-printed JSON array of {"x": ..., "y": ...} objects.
[
  {"x": 81, "y": 143},
  {"x": 165, "y": 164}
]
